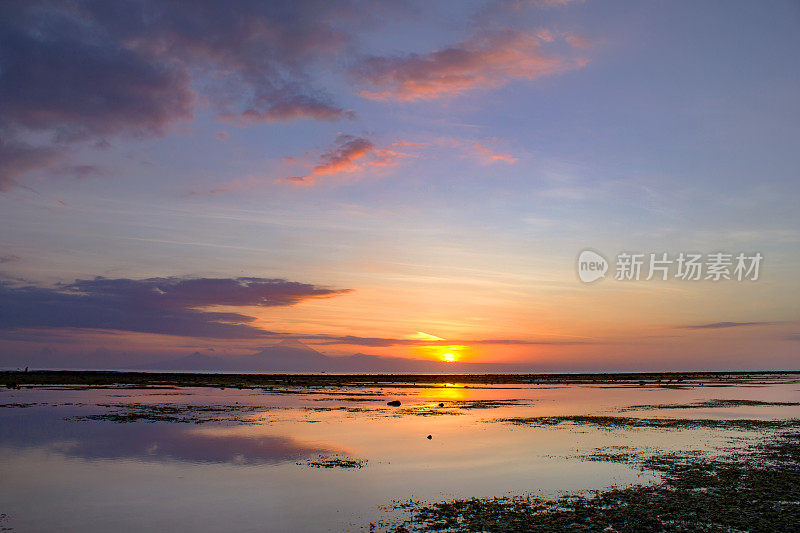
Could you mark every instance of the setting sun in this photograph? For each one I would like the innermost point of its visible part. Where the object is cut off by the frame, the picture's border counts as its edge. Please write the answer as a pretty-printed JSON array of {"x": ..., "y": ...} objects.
[{"x": 449, "y": 357}]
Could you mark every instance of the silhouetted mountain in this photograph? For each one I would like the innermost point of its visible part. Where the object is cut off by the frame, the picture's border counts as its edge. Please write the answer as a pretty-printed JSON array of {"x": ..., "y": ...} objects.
[{"x": 287, "y": 356}]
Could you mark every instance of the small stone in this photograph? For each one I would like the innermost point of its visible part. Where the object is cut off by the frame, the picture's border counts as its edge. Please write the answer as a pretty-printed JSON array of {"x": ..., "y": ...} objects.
[
  {"x": 430, "y": 437},
  {"x": 441, "y": 405},
  {"x": 394, "y": 403}
]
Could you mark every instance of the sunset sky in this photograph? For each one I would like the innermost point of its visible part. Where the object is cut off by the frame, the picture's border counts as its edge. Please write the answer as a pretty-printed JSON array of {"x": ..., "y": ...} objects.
[{"x": 408, "y": 179}]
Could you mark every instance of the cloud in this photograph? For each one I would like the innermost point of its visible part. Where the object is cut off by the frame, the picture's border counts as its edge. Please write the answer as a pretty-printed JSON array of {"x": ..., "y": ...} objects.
[
  {"x": 350, "y": 154},
  {"x": 723, "y": 325},
  {"x": 488, "y": 155},
  {"x": 170, "y": 306},
  {"x": 291, "y": 108},
  {"x": 522, "y": 4},
  {"x": 482, "y": 62},
  {"x": 82, "y": 70},
  {"x": 377, "y": 342},
  {"x": 483, "y": 150},
  {"x": 81, "y": 171},
  {"x": 63, "y": 71},
  {"x": 110, "y": 67},
  {"x": 18, "y": 158},
  {"x": 579, "y": 41}
]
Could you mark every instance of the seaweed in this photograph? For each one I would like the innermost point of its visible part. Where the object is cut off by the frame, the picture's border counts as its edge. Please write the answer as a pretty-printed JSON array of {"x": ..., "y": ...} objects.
[
  {"x": 709, "y": 404},
  {"x": 324, "y": 461},
  {"x": 757, "y": 490},
  {"x": 615, "y": 422},
  {"x": 196, "y": 414}
]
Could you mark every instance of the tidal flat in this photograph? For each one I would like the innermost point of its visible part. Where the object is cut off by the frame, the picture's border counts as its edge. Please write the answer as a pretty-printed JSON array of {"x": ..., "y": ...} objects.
[{"x": 232, "y": 452}]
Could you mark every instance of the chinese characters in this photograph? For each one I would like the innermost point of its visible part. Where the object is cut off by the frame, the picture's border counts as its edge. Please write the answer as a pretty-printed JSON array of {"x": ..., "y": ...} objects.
[{"x": 716, "y": 266}]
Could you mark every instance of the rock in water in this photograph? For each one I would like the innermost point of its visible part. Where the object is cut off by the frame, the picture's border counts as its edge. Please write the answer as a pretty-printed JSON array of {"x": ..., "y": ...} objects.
[
  {"x": 394, "y": 403},
  {"x": 430, "y": 437}
]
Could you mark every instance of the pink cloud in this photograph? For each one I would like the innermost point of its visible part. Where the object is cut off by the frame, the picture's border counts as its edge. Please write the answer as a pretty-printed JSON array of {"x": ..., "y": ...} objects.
[
  {"x": 286, "y": 111},
  {"x": 490, "y": 156},
  {"x": 348, "y": 155},
  {"x": 485, "y": 150},
  {"x": 355, "y": 155},
  {"x": 483, "y": 62},
  {"x": 579, "y": 41}
]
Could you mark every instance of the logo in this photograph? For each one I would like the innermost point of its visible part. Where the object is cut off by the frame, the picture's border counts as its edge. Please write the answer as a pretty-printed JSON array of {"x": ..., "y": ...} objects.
[
  {"x": 684, "y": 266},
  {"x": 591, "y": 266}
]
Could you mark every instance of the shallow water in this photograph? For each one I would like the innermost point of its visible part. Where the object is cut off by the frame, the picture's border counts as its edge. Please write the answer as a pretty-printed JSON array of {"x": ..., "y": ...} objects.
[{"x": 78, "y": 459}]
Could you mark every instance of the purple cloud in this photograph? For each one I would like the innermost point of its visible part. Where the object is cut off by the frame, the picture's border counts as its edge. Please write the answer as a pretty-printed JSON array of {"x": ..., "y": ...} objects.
[
  {"x": 89, "y": 70},
  {"x": 170, "y": 306},
  {"x": 81, "y": 171},
  {"x": 18, "y": 158}
]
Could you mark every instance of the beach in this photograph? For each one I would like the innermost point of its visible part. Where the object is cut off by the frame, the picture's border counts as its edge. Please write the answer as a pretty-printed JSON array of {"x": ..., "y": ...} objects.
[{"x": 135, "y": 451}]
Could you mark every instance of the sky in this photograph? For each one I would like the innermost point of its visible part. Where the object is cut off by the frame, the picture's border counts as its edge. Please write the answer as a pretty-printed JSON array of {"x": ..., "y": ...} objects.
[{"x": 405, "y": 179}]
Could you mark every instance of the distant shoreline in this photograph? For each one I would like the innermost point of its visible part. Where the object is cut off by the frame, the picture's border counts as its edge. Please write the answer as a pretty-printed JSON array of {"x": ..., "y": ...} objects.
[{"x": 250, "y": 380}]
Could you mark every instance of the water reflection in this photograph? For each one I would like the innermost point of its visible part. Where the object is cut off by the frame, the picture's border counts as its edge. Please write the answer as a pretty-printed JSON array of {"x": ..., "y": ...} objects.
[
  {"x": 152, "y": 442},
  {"x": 62, "y": 458}
]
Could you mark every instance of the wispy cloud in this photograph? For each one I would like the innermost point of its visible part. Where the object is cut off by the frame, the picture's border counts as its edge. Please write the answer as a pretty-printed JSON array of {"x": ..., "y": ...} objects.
[
  {"x": 289, "y": 107},
  {"x": 81, "y": 171},
  {"x": 377, "y": 342},
  {"x": 357, "y": 155},
  {"x": 579, "y": 41},
  {"x": 350, "y": 154},
  {"x": 486, "y": 150},
  {"x": 486, "y": 61},
  {"x": 519, "y": 4},
  {"x": 723, "y": 325},
  {"x": 488, "y": 155}
]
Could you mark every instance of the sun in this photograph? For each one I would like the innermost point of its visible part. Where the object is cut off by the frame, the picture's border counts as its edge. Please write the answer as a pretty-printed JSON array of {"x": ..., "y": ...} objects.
[{"x": 450, "y": 353}]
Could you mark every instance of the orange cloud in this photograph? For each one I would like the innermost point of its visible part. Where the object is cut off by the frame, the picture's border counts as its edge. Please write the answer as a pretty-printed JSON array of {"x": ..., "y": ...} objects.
[
  {"x": 484, "y": 62},
  {"x": 490, "y": 156},
  {"x": 348, "y": 155},
  {"x": 480, "y": 149}
]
